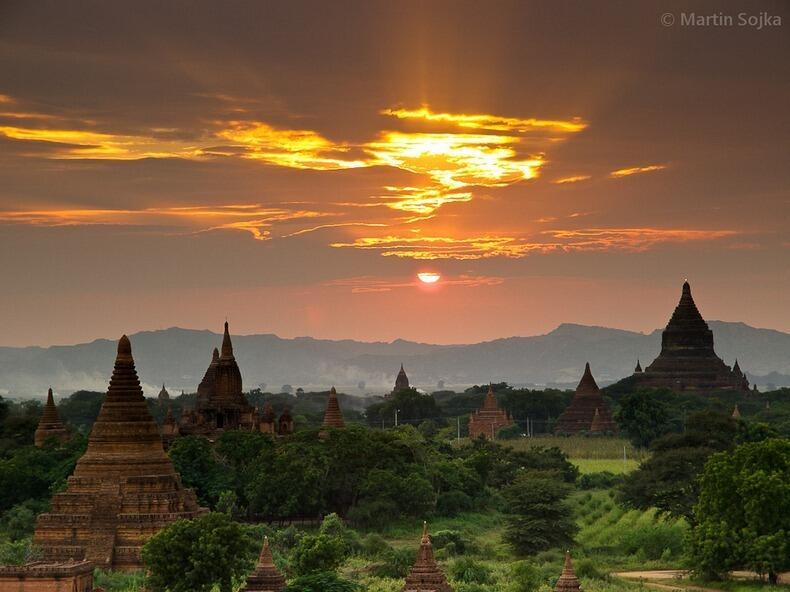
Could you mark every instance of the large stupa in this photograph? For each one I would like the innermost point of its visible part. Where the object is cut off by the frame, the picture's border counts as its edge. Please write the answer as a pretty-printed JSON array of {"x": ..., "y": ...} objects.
[
  {"x": 687, "y": 361},
  {"x": 124, "y": 488},
  {"x": 588, "y": 411}
]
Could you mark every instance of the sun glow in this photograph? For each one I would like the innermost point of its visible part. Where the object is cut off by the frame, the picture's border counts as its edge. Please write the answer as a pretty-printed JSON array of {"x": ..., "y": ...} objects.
[{"x": 428, "y": 277}]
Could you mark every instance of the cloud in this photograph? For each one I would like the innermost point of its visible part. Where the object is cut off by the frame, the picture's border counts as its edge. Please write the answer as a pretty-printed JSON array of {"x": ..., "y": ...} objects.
[
  {"x": 370, "y": 284},
  {"x": 486, "y": 246},
  {"x": 572, "y": 179},
  {"x": 619, "y": 173},
  {"x": 489, "y": 122}
]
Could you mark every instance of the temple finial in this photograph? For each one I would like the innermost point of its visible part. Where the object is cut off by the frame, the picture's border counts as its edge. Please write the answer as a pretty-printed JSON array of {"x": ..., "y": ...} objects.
[{"x": 227, "y": 346}]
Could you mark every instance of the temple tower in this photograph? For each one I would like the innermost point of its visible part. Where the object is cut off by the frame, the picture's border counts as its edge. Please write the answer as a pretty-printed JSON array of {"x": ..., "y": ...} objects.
[
  {"x": 50, "y": 426},
  {"x": 401, "y": 381},
  {"x": 206, "y": 388},
  {"x": 268, "y": 423},
  {"x": 489, "y": 419},
  {"x": 163, "y": 397},
  {"x": 124, "y": 488},
  {"x": 425, "y": 575},
  {"x": 333, "y": 417},
  {"x": 285, "y": 425},
  {"x": 266, "y": 577},
  {"x": 580, "y": 416},
  {"x": 567, "y": 582}
]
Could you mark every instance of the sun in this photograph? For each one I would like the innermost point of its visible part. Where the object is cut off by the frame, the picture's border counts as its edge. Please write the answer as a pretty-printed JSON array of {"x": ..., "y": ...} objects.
[{"x": 428, "y": 277}]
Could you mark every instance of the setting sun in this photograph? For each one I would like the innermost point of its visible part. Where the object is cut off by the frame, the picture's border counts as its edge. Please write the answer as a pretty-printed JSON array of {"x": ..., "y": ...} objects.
[{"x": 428, "y": 277}]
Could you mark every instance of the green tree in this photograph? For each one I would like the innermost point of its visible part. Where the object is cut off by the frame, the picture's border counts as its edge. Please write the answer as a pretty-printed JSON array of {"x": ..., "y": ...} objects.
[
  {"x": 322, "y": 582},
  {"x": 81, "y": 408},
  {"x": 196, "y": 555},
  {"x": 743, "y": 513},
  {"x": 537, "y": 516},
  {"x": 200, "y": 468},
  {"x": 642, "y": 418}
]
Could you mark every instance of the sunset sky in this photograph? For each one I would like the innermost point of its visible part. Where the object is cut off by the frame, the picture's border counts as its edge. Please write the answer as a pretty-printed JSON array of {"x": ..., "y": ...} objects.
[{"x": 293, "y": 166}]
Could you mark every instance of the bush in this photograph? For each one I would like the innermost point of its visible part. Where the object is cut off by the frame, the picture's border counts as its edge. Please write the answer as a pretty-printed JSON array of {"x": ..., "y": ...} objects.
[
  {"x": 322, "y": 582},
  {"x": 524, "y": 577},
  {"x": 654, "y": 540},
  {"x": 585, "y": 568},
  {"x": 397, "y": 563},
  {"x": 452, "y": 540},
  {"x": 469, "y": 571},
  {"x": 602, "y": 480},
  {"x": 374, "y": 545},
  {"x": 452, "y": 503}
]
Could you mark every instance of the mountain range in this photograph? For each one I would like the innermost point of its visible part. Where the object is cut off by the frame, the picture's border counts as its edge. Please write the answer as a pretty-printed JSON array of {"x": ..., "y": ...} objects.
[{"x": 179, "y": 357}]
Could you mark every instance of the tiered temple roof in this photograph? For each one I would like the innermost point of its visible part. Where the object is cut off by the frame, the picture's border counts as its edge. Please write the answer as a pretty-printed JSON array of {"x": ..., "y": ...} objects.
[
  {"x": 221, "y": 404},
  {"x": 425, "y": 575},
  {"x": 489, "y": 419},
  {"x": 567, "y": 582},
  {"x": 687, "y": 360},
  {"x": 401, "y": 381},
  {"x": 124, "y": 488},
  {"x": 163, "y": 396},
  {"x": 333, "y": 417},
  {"x": 40, "y": 576},
  {"x": 50, "y": 426},
  {"x": 588, "y": 411},
  {"x": 266, "y": 577}
]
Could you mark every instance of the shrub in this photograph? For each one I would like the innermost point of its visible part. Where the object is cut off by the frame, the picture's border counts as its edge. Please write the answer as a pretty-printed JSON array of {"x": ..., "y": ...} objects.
[
  {"x": 602, "y": 480},
  {"x": 322, "y": 582},
  {"x": 374, "y": 545},
  {"x": 397, "y": 563},
  {"x": 470, "y": 571},
  {"x": 654, "y": 540},
  {"x": 585, "y": 568},
  {"x": 452, "y": 503},
  {"x": 524, "y": 577},
  {"x": 452, "y": 540}
]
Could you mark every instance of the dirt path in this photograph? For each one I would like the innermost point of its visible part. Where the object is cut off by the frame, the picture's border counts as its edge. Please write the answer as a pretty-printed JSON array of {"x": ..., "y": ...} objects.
[{"x": 664, "y": 579}]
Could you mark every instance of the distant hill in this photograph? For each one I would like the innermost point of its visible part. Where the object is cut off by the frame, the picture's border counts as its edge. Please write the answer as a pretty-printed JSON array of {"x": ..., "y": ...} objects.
[{"x": 178, "y": 357}]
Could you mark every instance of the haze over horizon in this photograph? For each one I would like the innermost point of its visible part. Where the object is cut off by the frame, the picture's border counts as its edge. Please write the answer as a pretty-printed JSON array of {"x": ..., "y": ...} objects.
[{"x": 294, "y": 167}]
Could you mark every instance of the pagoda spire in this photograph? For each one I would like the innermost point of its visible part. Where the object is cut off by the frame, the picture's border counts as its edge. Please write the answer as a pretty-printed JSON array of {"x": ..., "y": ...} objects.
[
  {"x": 638, "y": 366},
  {"x": 227, "y": 346},
  {"x": 333, "y": 417},
  {"x": 587, "y": 384},
  {"x": 266, "y": 577},
  {"x": 50, "y": 425},
  {"x": 425, "y": 575},
  {"x": 567, "y": 582}
]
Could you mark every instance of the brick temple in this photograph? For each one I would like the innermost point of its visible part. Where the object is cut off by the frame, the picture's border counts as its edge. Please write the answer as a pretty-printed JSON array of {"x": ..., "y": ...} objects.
[
  {"x": 489, "y": 419},
  {"x": 567, "y": 582},
  {"x": 687, "y": 361},
  {"x": 124, "y": 488},
  {"x": 588, "y": 411},
  {"x": 41, "y": 576},
  {"x": 425, "y": 575},
  {"x": 50, "y": 426},
  {"x": 401, "y": 382},
  {"x": 333, "y": 416},
  {"x": 266, "y": 577},
  {"x": 221, "y": 404}
]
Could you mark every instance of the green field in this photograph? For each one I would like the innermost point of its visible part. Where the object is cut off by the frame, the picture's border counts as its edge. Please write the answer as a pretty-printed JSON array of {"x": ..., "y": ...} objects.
[
  {"x": 582, "y": 447},
  {"x": 598, "y": 465}
]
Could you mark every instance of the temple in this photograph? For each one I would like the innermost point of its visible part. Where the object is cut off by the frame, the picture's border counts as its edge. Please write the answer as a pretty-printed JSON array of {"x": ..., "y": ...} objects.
[
  {"x": 124, "y": 489},
  {"x": 489, "y": 419},
  {"x": 333, "y": 416},
  {"x": 401, "y": 382},
  {"x": 163, "y": 397},
  {"x": 266, "y": 577},
  {"x": 221, "y": 404},
  {"x": 425, "y": 575},
  {"x": 588, "y": 411},
  {"x": 567, "y": 582},
  {"x": 50, "y": 426},
  {"x": 41, "y": 576},
  {"x": 687, "y": 361}
]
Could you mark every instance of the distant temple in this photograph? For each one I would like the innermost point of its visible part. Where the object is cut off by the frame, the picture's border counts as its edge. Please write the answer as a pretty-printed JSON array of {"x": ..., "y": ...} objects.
[
  {"x": 736, "y": 413},
  {"x": 163, "y": 397},
  {"x": 221, "y": 404},
  {"x": 266, "y": 577},
  {"x": 50, "y": 426},
  {"x": 588, "y": 411},
  {"x": 124, "y": 488},
  {"x": 425, "y": 575},
  {"x": 333, "y": 416},
  {"x": 40, "y": 576},
  {"x": 687, "y": 361},
  {"x": 489, "y": 419},
  {"x": 401, "y": 382},
  {"x": 567, "y": 582}
]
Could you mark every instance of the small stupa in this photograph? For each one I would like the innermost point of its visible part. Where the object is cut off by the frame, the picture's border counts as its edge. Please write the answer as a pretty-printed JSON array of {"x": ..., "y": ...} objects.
[
  {"x": 163, "y": 397},
  {"x": 123, "y": 490},
  {"x": 425, "y": 575},
  {"x": 266, "y": 577},
  {"x": 580, "y": 415},
  {"x": 638, "y": 368},
  {"x": 401, "y": 381},
  {"x": 333, "y": 417},
  {"x": 50, "y": 426},
  {"x": 489, "y": 419},
  {"x": 567, "y": 582},
  {"x": 268, "y": 420}
]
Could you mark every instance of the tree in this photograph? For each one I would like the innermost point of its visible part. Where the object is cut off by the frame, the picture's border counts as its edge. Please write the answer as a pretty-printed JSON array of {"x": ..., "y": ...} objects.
[
  {"x": 537, "y": 516},
  {"x": 196, "y": 555},
  {"x": 743, "y": 513},
  {"x": 411, "y": 405},
  {"x": 200, "y": 469},
  {"x": 642, "y": 418},
  {"x": 322, "y": 582}
]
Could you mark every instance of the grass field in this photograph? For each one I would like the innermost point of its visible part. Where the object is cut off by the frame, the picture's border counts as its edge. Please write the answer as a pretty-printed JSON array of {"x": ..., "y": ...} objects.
[
  {"x": 598, "y": 465},
  {"x": 581, "y": 447}
]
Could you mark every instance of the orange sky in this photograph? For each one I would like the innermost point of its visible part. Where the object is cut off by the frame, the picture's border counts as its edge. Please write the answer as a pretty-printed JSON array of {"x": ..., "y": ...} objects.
[{"x": 293, "y": 167}]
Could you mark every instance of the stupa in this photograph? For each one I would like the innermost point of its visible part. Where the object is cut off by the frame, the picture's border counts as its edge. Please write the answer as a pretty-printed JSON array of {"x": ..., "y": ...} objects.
[
  {"x": 401, "y": 381},
  {"x": 489, "y": 419},
  {"x": 285, "y": 425},
  {"x": 266, "y": 577},
  {"x": 50, "y": 426},
  {"x": 221, "y": 404},
  {"x": 425, "y": 575},
  {"x": 267, "y": 424},
  {"x": 567, "y": 582},
  {"x": 580, "y": 415},
  {"x": 333, "y": 417},
  {"x": 687, "y": 361},
  {"x": 163, "y": 397},
  {"x": 124, "y": 488}
]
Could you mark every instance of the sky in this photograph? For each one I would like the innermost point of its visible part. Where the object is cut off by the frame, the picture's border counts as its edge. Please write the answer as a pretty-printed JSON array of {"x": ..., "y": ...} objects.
[{"x": 293, "y": 167}]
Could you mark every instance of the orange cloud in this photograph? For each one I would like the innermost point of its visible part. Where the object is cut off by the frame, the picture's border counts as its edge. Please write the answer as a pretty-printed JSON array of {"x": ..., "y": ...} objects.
[
  {"x": 489, "y": 122},
  {"x": 619, "y": 173},
  {"x": 573, "y": 179}
]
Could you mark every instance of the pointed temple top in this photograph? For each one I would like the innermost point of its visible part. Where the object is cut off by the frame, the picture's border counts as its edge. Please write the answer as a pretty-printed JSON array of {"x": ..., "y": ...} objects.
[
  {"x": 425, "y": 574},
  {"x": 638, "y": 366},
  {"x": 124, "y": 349},
  {"x": 333, "y": 417},
  {"x": 567, "y": 582},
  {"x": 50, "y": 398},
  {"x": 266, "y": 577},
  {"x": 426, "y": 538},
  {"x": 227, "y": 346},
  {"x": 587, "y": 384},
  {"x": 215, "y": 355},
  {"x": 686, "y": 311},
  {"x": 266, "y": 559},
  {"x": 736, "y": 368}
]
